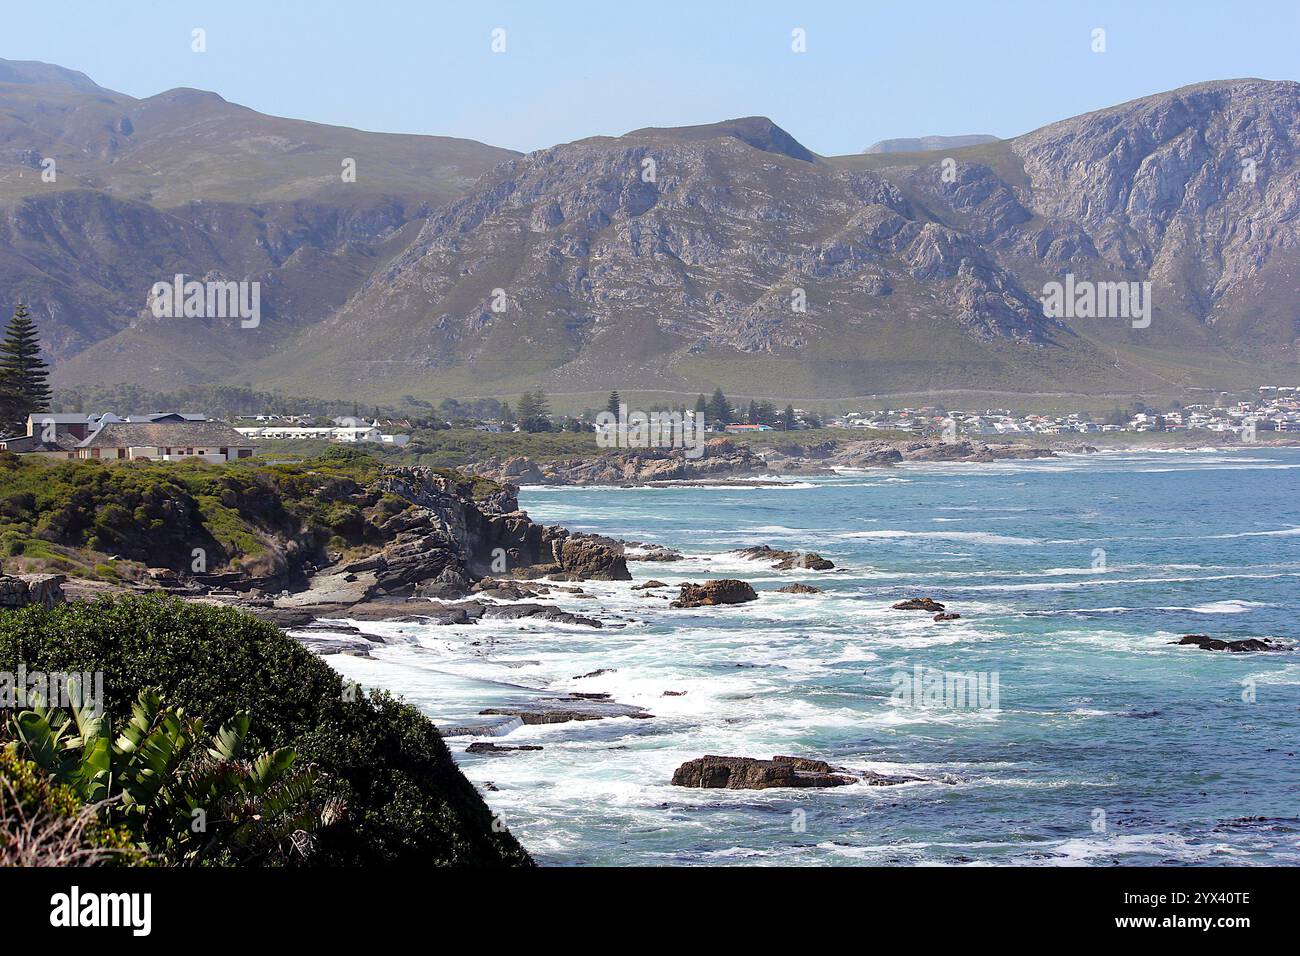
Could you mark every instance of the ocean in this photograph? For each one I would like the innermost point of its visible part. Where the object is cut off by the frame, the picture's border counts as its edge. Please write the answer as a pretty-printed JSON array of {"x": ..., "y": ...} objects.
[{"x": 1096, "y": 742}]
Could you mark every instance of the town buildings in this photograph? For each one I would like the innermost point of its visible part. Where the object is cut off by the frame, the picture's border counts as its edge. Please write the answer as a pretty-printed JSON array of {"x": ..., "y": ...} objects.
[{"x": 160, "y": 436}]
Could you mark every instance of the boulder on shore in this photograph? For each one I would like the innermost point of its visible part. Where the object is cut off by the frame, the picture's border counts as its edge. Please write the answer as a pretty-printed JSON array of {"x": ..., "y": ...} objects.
[
  {"x": 919, "y": 604},
  {"x": 20, "y": 590},
  {"x": 710, "y": 593},
  {"x": 1207, "y": 643}
]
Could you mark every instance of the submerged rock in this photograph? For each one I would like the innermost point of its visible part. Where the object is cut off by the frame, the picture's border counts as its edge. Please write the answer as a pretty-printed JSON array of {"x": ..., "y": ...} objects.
[
  {"x": 947, "y": 617},
  {"x": 710, "y": 593},
  {"x": 561, "y": 710},
  {"x": 799, "y": 589}
]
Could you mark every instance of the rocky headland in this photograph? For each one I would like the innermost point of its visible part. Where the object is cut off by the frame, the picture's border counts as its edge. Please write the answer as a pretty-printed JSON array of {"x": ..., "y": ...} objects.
[{"x": 727, "y": 460}]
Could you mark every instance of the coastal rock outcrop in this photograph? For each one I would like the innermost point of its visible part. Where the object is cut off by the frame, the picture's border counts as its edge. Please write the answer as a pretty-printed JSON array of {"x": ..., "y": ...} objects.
[
  {"x": 799, "y": 589},
  {"x": 21, "y": 590},
  {"x": 919, "y": 604},
  {"x": 720, "y": 459},
  {"x": 1207, "y": 643},
  {"x": 724, "y": 591},
  {"x": 787, "y": 560},
  {"x": 749, "y": 773},
  {"x": 724, "y": 459}
]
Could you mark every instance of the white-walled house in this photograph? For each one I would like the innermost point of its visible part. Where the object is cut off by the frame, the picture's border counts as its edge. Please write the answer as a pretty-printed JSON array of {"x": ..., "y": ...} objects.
[{"x": 347, "y": 434}]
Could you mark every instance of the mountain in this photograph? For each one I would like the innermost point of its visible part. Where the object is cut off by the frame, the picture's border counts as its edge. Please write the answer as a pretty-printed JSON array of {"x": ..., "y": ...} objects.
[
  {"x": 185, "y": 182},
  {"x": 664, "y": 259},
  {"x": 925, "y": 144}
]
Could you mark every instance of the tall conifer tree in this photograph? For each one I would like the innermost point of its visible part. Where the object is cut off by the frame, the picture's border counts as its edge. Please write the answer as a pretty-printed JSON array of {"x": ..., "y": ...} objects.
[{"x": 24, "y": 377}]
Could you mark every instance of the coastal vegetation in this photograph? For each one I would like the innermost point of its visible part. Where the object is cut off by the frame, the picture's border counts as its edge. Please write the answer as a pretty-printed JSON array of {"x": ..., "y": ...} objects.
[
  {"x": 344, "y": 778},
  {"x": 113, "y": 520}
]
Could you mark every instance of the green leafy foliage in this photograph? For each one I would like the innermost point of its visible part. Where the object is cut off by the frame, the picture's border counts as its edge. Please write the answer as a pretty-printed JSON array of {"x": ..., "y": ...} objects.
[
  {"x": 407, "y": 803},
  {"x": 183, "y": 803}
]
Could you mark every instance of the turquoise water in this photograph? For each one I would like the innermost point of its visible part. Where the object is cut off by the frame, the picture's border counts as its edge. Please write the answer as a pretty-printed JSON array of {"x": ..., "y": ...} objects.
[{"x": 1072, "y": 576}]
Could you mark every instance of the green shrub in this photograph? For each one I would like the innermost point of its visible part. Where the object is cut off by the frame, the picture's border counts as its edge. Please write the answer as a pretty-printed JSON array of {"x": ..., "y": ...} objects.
[
  {"x": 407, "y": 803},
  {"x": 185, "y": 803},
  {"x": 43, "y": 823}
]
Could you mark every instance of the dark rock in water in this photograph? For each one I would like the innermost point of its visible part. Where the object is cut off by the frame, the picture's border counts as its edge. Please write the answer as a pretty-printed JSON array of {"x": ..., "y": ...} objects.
[
  {"x": 284, "y": 617},
  {"x": 506, "y": 590},
  {"x": 478, "y": 728},
  {"x": 710, "y": 593},
  {"x": 513, "y": 612},
  {"x": 947, "y": 617},
  {"x": 648, "y": 584},
  {"x": 488, "y": 748},
  {"x": 747, "y": 773},
  {"x": 799, "y": 589},
  {"x": 787, "y": 560},
  {"x": 805, "y": 764},
  {"x": 561, "y": 710},
  {"x": 657, "y": 552},
  {"x": 674, "y": 693},
  {"x": 596, "y": 673},
  {"x": 1207, "y": 643},
  {"x": 919, "y": 604}
]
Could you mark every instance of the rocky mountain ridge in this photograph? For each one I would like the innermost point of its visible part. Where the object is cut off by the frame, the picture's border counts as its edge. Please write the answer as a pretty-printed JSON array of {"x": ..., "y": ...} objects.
[{"x": 666, "y": 259}]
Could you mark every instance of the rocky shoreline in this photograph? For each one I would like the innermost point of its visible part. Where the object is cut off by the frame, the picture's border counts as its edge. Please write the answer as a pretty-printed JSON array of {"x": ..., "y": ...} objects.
[
  {"x": 725, "y": 459},
  {"x": 446, "y": 556}
]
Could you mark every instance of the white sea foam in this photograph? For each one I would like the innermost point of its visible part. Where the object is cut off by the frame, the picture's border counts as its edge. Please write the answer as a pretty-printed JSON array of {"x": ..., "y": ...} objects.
[{"x": 977, "y": 537}]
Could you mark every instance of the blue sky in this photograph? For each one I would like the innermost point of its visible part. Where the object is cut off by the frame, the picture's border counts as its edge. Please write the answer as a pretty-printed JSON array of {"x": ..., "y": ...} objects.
[{"x": 573, "y": 68}]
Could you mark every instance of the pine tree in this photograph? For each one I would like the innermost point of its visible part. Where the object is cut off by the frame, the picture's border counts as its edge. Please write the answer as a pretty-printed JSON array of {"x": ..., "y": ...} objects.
[
  {"x": 533, "y": 411},
  {"x": 719, "y": 409},
  {"x": 24, "y": 387},
  {"x": 612, "y": 405},
  {"x": 526, "y": 408},
  {"x": 787, "y": 418}
]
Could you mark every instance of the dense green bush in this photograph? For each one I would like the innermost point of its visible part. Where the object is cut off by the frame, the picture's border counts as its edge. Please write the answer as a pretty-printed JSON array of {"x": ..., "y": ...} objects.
[{"x": 407, "y": 802}]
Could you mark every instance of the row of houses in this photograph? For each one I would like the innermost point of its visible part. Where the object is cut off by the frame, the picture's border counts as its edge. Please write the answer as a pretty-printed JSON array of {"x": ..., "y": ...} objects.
[
  {"x": 351, "y": 431},
  {"x": 158, "y": 436}
]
